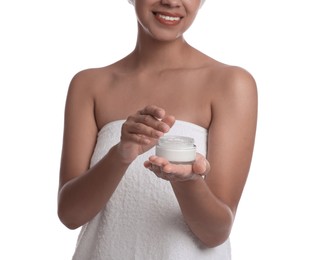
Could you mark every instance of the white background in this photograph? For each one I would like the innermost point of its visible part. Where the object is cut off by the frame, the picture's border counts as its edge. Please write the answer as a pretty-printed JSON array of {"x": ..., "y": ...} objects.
[{"x": 282, "y": 214}]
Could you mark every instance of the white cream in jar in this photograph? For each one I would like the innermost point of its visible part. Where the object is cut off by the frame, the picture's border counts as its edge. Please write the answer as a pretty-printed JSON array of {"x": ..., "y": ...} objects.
[{"x": 176, "y": 149}]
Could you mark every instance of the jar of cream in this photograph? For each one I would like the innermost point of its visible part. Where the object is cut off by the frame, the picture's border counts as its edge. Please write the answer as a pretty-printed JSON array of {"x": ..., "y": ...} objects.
[{"x": 176, "y": 149}]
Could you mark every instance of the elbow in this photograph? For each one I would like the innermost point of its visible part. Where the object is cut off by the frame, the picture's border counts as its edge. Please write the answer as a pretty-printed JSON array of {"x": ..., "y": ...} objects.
[
  {"x": 67, "y": 213},
  {"x": 64, "y": 219},
  {"x": 217, "y": 239},
  {"x": 67, "y": 217},
  {"x": 220, "y": 233},
  {"x": 72, "y": 226},
  {"x": 68, "y": 222}
]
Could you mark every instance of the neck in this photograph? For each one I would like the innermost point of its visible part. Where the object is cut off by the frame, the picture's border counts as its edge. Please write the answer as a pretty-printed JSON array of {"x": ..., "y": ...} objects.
[{"x": 154, "y": 54}]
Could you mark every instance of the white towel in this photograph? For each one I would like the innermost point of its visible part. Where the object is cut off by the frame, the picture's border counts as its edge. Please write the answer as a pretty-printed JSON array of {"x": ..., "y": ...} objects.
[{"x": 142, "y": 220}]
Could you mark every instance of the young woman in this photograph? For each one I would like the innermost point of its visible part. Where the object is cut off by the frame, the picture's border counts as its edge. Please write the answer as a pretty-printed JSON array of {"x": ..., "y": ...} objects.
[{"x": 114, "y": 117}]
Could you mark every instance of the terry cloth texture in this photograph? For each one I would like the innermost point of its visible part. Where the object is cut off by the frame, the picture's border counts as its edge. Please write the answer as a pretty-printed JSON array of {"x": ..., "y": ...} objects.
[{"x": 142, "y": 220}]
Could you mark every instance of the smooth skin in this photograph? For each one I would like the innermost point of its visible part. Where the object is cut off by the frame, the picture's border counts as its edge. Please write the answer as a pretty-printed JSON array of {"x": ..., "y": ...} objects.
[{"x": 162, "y": 80}]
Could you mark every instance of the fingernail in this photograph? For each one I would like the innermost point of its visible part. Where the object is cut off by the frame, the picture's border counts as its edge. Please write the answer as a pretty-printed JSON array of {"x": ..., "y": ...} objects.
[
  {"x": 159, "y": 134},
  {"x": 165, "y": 128}
]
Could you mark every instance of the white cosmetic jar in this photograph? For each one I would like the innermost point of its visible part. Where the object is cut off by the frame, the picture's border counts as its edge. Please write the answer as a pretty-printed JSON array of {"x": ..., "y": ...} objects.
[{"x": 176, "y": 149}]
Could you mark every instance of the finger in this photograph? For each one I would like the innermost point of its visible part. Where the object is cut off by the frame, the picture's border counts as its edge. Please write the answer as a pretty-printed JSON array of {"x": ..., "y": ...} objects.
[
  {"x": 147, "y": 164},
  {"x": 169, "y": 120},
  {"x": 180, "y": 171},
  {"x": 158, "y": 171},
  {"x": 152, "y": 122},
  {"x": 139, "y": 132},
  {"x": 146, "y": 120},
  {"x": 160, "y": 166},
  {"x": 156, "y": 117},
  {"x": 154, "y": 111},
  {"x": 140, "y": 139},
  {"x": 168, "y": 167},
  {"x": 168, "y": 175},
  {"x": 158, "y": 161},
  {"x": 176, "y": 172}
]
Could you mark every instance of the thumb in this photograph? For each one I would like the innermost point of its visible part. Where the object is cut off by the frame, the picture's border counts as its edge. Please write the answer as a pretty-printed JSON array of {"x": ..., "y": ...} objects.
[{"x": 201, "y": 165}]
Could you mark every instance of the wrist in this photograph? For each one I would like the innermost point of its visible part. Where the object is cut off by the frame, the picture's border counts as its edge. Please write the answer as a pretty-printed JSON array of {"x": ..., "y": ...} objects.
[{"x": 122, "y": 155}]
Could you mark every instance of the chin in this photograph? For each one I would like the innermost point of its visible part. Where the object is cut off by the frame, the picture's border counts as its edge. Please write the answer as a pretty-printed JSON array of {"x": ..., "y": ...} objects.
[{"x": 166, "y": 37}]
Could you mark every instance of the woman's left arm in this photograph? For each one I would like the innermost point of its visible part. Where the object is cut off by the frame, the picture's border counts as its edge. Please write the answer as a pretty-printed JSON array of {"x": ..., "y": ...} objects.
[{"x": 209, "y": 205}]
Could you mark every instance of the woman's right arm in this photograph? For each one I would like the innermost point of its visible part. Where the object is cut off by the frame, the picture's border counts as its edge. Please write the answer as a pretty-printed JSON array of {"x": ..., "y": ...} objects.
[{"x": 84, "y": 191}]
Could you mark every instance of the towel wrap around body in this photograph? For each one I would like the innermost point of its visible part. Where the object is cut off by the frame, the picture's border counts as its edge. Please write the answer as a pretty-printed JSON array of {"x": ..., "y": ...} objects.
[{"x": 142, "y": 220}]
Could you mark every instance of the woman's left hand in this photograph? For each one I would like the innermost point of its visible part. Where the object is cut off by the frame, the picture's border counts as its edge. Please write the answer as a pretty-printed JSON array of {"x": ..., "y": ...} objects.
[{"x": 178, "y": 172}]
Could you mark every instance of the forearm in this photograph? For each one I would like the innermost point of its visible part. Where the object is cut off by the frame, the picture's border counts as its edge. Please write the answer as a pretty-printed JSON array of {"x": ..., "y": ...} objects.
[
  {"x": 83, "y": 197},
  {"x": 208, "y": 217}
]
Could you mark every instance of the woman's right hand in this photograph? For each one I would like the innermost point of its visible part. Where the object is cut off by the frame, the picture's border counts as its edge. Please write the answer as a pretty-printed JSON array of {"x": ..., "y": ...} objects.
[{"x": 142, "y": 130}]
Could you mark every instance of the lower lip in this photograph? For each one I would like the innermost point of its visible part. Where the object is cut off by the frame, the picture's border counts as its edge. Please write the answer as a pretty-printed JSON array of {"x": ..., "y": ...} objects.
[{"x": 167, "y": 22}]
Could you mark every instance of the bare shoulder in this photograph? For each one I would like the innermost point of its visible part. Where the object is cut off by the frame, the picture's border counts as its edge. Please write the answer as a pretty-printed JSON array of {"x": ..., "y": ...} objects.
[
  {"x": 237, "y": 78},
  {"x": 229, "y": 78},
  {"x": 88, "y": 80},
  {"x": 228, "y": 83},
  {"x": 223, "y": 79},
  {"x": 82, "y": 93}
]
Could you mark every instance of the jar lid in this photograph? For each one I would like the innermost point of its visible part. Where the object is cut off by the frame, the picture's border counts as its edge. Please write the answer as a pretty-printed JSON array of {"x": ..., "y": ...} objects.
[{"x": 176, "y": 141}]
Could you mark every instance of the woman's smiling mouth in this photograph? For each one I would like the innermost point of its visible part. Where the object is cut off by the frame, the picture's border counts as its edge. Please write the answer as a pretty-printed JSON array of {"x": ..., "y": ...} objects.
[{"x": 167, "y": 19}]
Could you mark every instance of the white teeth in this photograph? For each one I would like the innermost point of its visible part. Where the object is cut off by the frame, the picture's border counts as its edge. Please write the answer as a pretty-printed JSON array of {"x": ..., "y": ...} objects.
[{"x": 169, "y": 18}]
